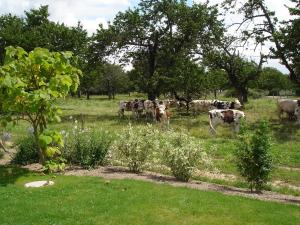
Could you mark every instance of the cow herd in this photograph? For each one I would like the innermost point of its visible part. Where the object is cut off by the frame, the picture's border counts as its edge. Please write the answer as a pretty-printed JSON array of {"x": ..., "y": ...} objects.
[{"x": 220, "y": 112}]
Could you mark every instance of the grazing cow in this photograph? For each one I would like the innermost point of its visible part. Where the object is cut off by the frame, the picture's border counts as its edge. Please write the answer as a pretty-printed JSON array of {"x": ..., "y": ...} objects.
[
  {"x": 162, "y": 114},
  {"x": 229, "y": 116},
  {"x": 137, "y": 108},
  {"x": 149, "y": 107},
  {"x": 297, "y": 111},
  {"x": 287, "y": 106},
  {"x": 124, "y": 106},
  {"x": 201, "y": 105},
  {"x": 227, "y": 105}
]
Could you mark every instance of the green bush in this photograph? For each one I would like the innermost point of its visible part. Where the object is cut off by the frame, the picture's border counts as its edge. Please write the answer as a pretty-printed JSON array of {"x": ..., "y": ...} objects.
[
  {"x": 256, "y": 93},
  {"x": 134, "y": 146},
  {"x": 26, "y": 151},
  {"x": 182, "y": 154},
  {"x": 254, "y": 161},
  {"x": 86, "y": 148}
]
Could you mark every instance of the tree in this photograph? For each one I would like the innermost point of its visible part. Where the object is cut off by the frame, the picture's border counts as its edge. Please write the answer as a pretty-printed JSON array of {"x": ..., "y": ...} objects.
[
  {"x": 286, "y": 38},
  {"x": 36, "y": 30},
  {"x": 273, "y": 81},
  {"x": 240, "y": 71},
  {"x": 33, "y": 82},
  {"x": 216, "y": 80},
  {"x": 152, "y": 35},
  {"x": 254, "y": 160},
  {"x": 189, "y": 82}
]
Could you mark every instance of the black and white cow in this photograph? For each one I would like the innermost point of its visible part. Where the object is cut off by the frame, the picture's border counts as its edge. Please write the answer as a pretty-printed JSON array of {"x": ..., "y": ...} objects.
[
  {"x": 226, "y": 104},
  {"x": 225, "y": 116}
]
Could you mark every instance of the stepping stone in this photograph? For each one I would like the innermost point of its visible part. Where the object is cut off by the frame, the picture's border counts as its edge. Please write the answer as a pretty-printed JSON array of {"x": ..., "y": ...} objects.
[{"x": 41, "y": 183}]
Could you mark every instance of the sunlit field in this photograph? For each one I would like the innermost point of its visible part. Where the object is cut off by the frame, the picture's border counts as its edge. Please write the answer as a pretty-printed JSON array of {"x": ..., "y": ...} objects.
[{"x": 101, "y": 113}]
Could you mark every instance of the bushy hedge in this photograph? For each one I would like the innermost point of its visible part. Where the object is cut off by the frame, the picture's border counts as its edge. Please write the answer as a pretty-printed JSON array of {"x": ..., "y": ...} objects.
[
  {"x": 136, "y": 147},
  {"x": 87, "y": 148},
  {"x": 26, "y": 151}
]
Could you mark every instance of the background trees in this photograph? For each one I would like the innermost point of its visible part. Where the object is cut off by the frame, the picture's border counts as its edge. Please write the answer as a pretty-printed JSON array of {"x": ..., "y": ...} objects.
[
  {"x": 284, "y": 36},
  {"x": 155, "y": 35}
]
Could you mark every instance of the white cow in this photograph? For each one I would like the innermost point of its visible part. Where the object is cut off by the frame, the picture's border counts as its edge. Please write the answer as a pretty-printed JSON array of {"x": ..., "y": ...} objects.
[
  {"x": 201, "y": 105},
  {"x": 287, "y": 106},
  {"x": 229, "y": 116}
]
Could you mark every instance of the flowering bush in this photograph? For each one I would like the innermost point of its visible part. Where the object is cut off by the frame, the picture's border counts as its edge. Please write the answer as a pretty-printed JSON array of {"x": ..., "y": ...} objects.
[
  {"x": 182, "y": 154},
  {"x": 140, "y": 146},
  {"x": 134, "y": 146}
]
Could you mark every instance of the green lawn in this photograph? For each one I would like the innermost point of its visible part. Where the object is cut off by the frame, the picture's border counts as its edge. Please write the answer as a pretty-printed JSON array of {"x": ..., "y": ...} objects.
[
  {"x": 92, "y": 200},
  {"x": 99, "y": 112}
]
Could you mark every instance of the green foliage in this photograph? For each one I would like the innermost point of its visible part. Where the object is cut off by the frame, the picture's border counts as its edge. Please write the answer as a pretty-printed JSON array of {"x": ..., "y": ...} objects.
[
  {"x": 134, "y": 146},
  {"x": 87, "y": 148},
  {"x": 273, "y": 81},
  {"x": 178, "y": 151},
  {"x": 254, "y": 160},
  {"x": 34, "y": 81},
  {"x": 36, "y": 30},
  {"x": 158, "y": 37},
  {"x": 55, "y": 165},
  {"x": 182, "y": 154},
  {"x": 26, "y": 151}
]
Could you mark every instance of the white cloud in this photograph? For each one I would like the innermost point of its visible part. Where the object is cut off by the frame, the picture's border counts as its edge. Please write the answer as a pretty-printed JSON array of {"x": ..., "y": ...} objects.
[{"x": 69, "y": 12}]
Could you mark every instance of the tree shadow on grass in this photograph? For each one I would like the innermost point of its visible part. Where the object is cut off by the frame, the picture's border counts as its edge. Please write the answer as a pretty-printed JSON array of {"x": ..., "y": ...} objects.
[
  {"x": 9, "y": 174},
  {"x": 285, "y": 131}
]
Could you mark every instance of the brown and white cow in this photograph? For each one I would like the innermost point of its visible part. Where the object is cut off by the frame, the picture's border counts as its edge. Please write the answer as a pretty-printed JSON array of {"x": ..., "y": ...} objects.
[
  {"x": 124, "y": 106},
  {"x": 137, "y": 108},
  {"x": 149, "y": 107},
  {"x": 162, "y": 114},
  {"x": 287, "y": 106},
  {"x": 225, "y": 116}
]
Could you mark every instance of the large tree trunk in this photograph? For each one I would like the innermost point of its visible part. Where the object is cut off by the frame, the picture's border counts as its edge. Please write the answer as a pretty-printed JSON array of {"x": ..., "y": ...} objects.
[{"x": 243, "y": 95}]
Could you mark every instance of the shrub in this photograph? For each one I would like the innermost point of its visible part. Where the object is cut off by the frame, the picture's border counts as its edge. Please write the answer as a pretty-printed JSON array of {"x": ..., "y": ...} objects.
[
  {"x": 182, "y": 154},
  {"x": 254, "y": 161},
  {"x": 26, "y": 151},
  {"x": 256, "y": 93},
  {"x": 86, "y": 148},
  {"x": 134, "y": 146}
]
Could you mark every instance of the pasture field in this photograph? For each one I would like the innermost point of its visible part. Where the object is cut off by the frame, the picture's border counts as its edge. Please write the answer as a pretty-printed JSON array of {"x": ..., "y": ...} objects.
[
  {"x": 93, "y": 200},
  {"x": 99, "y": 112}
]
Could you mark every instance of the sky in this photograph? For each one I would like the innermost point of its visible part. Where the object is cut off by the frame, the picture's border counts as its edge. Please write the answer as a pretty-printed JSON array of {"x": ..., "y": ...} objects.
[{"x": 93, "y": 12}]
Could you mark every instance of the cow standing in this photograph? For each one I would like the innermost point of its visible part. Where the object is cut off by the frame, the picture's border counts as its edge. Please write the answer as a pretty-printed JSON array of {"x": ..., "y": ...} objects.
[
  {"x": 226, "y": 104},
  {"x": 124, "y": 106},
  {"x": 228, "y": 116},
  {"x": 162, "y": 114},
  {"x": 287, "y": 106}
]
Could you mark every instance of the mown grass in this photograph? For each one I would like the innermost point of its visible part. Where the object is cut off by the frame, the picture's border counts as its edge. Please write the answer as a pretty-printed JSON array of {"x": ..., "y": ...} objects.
[
  {"x": 94, "y": 201},
  {"x": 99, "y": 112}
]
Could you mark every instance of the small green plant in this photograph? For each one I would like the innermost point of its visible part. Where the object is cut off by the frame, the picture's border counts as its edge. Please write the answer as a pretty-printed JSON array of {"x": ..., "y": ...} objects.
[
  {"x": 134, "y": 146},
  {"x": 26, "y": 151},
  {"x": 87, "y": 148},
  {"x": 254, "y": 160},
  {"x": 182, "y": 154}
]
